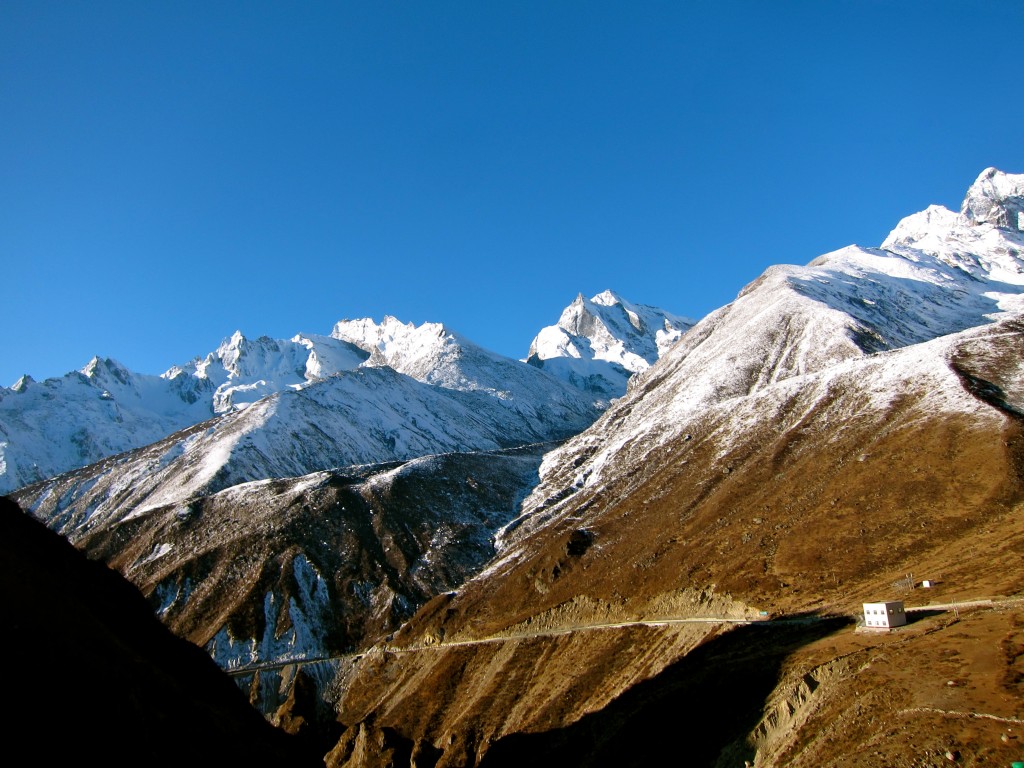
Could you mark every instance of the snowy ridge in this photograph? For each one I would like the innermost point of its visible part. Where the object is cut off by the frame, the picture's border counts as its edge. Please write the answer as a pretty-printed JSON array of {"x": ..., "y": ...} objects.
[
  {"x": 105, "y": 409},
  {"x": 369, "y": 415},
  {"x": 599, "y": 343},
  {"x": 874, "y": 321},
  {"x": 243, "y": 371},
  {"x": 51, "y": 426},
  {"x": 434, "y": 355}
]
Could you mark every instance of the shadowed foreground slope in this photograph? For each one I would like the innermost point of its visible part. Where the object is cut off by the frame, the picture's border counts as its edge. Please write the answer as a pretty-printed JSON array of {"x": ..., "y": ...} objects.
[
  {"x": 717, "y": 690},
  {"x": 92, "y": 675}
]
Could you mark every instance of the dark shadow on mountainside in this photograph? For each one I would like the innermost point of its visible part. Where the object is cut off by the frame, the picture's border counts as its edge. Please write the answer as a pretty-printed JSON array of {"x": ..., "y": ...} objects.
[
  {"x": 93, "y": 677},
  {"x": 704, "y": 703}
]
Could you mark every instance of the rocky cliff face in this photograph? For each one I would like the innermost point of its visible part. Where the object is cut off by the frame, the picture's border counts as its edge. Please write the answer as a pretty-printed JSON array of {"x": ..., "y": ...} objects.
[{"x": 995, "y": 199}]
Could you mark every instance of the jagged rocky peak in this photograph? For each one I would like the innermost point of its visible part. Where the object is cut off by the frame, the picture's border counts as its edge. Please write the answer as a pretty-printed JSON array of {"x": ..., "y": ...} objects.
[
  {"x": 102, "y": 369},
  {"x": 243, "y": 370},
  {"x": 576, "y": 318},
  {"x": 607, "y": 327},
  {"x": 230, "y": 352},
  {"x": 599, "y": 343},
  {"x": 984, "y": 240},
  {"x": 364, "y": 332},
  {"x": 240, "y": 356},
  {"x": 23, "y": 383},
  {"x": 421, "y": 351},
  {"x": 223, "y": 361},
  {"x": 583, "y": 318},
  {"x": 995, "y": 198},
  {"x": 389, "y": 336}
]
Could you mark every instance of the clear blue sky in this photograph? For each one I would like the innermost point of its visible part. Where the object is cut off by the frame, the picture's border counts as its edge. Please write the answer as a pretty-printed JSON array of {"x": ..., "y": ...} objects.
[{"x": 173, "y": 171}]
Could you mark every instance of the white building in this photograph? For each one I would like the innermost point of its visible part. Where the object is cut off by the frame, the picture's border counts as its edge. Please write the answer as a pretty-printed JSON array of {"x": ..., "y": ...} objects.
[{"x": 884, "y": 615}]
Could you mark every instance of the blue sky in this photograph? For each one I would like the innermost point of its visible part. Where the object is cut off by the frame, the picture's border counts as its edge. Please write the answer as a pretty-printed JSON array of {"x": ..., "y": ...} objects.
[{"x": 173, "y": 171}]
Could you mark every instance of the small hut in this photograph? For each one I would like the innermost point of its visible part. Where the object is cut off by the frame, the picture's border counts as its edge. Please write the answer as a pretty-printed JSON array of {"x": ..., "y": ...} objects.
[{"x": 884, "y": 615}]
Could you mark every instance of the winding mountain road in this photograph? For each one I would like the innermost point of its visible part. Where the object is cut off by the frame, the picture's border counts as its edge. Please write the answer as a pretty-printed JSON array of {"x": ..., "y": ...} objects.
[{"x": 665, "y": 622}]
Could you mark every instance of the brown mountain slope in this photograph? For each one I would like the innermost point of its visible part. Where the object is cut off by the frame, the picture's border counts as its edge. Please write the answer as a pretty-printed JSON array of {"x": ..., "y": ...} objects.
[
  {"x": 808, "y": 495},
  {"x": 310, "y": 566}
]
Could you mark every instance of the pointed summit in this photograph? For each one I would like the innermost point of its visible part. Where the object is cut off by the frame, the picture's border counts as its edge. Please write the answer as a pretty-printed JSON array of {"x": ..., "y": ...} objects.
[
  {"x": 90, "y": 368},
  {"x": 599, "y": 343},
  {"x": 231, "y": 351},
  {"x": 984, "y": 239},
  {"x": 101, "y": 370},
  {"x": 995, "y": 198},
  {"x": 605, "y": 298}
]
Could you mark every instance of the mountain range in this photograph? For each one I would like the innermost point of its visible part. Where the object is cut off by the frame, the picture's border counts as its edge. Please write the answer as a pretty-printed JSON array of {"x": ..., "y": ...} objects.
[
  {"x": 104, "y": 409},
  {"x": 650, "y": 532}
]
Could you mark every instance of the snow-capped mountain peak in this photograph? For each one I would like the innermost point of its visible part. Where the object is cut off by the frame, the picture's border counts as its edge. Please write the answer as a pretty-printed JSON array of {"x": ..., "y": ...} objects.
[
  {"x": 368, "y": 334},
  {"x": 858, "y": 314},
  {"x": 102, "y": 369},
  {"x": 985, "y": 240},
  {"x": 918, "y": 226},
  {"x": 89, "y": 369},
  {"x": 605, "y": 298},
  {"x": 104, "y": 408},
  {"x": 244, "y": 370},
  {"x": 391, "y": 339},
  {"x": 995, "y": 198},
  {"x": 433, "y": 354},
  {"x": 229, "y": 353},
  {"x": 599, "y": 343}
]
